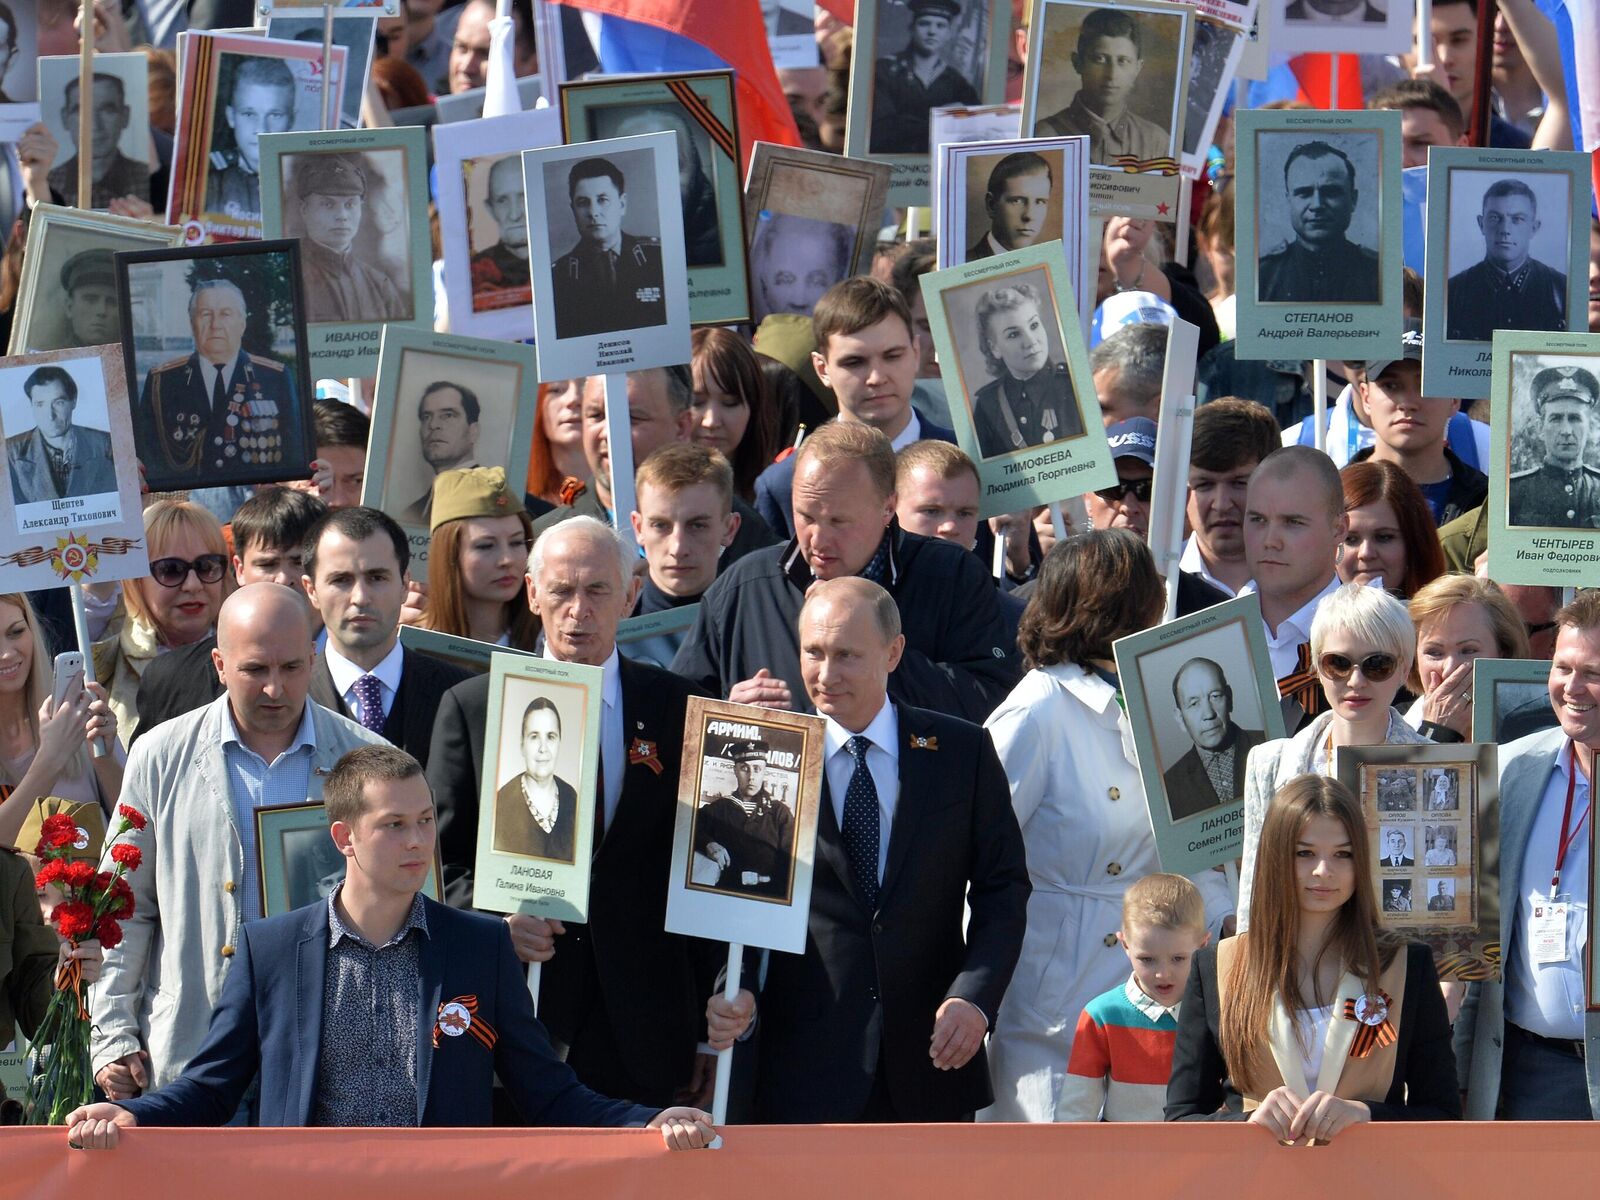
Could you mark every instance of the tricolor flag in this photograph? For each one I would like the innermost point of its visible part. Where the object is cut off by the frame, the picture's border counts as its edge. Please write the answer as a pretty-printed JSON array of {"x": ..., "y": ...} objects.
[
  {"x": 1578, "y": 28},
  {"x": 1308, "y": 79}
]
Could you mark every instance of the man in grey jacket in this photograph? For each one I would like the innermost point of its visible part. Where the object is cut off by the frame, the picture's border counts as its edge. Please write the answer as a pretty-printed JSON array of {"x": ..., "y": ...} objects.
[{"x": 198, "y": 779}]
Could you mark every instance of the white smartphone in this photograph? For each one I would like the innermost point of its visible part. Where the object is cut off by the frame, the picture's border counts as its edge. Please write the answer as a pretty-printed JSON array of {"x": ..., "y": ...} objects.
[{"x": 67, "y": 666}]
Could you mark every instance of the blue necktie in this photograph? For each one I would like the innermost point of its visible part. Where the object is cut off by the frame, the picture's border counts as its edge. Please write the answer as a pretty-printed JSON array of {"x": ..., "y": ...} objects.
[
  {"x": 861, "y": 822},
  {"x": 369, "y": 694}
]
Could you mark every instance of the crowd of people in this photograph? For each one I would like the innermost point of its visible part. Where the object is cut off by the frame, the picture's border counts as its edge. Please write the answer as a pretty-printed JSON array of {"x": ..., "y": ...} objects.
[{"x": 991, "y": 935}]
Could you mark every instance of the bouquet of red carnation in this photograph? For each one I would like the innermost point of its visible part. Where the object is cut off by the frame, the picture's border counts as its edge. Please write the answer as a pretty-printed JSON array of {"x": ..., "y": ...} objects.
[{"x": 95, "y": 902}]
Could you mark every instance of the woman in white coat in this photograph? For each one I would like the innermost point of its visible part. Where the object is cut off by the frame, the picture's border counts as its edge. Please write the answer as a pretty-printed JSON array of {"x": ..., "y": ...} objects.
[{"x": 1068, "y": 754}]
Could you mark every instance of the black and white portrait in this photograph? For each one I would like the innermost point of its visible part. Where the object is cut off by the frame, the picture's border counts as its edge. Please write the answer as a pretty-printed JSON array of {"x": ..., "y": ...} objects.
[
  {"x": 1397, "y": 791},
  {"x": 1208, "y": 62},
  {"x": 349, "y": 210},
  {"x": 1319, "y": 209},
  {"x": 312, "y": 865},
  {"x": 354, "y": 33},
  {"x": 536, "y": 805},
  {"x": 1007, "y": 331},
  {"x": 1112, "y": 75},
  {"x": 1396, "y": 895},
  {"x": 1394, "y": 847},
  {"x": 702, "y": 233},
  {"x": 19, "y": 52},
  {"x": 497, "y": 231},
  {"x": 744, "y": 821},
  {"x": 1506, "y": 253},
  {"x": 1555, "y": 481},
  {"x": 604, "y": 236},
  {"x": 1441, "y": 789},
  {"x": 120, "y": 148},
  {"x": 1441, "y": 895},
  {"x": 58, "y": 438},
  {"x": 215, "y": 342},
  {"x": 1335, "y": 12},
  {"x": 1013, "y": 200},
  {"x": 75, "y": 293},
  {"x": 927, "y": 54},
  {"x": 255, "y": 95},
  {"x": 1440, "y": 848},
  {"x": 794, "y": 260}
]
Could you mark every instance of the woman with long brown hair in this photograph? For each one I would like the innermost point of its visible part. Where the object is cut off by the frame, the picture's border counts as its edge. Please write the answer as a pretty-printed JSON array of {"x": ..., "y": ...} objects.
[
  {"x": 732, "y": 412},
  {"x": 1392, "y": 536},
  {"x": 1314, "y": 1020},
  {"x": 478, "y": 560}
]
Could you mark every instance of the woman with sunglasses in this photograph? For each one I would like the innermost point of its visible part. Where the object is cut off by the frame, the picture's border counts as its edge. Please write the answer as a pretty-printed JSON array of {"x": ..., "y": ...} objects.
[
  {"x": 1063, "y": 739},
  {"x": 1315, "y": 1020},
  {"x": 1459, "y": 619},
  {"x": 174, "y": 605},
  {"x": 1362, "y": 642}
]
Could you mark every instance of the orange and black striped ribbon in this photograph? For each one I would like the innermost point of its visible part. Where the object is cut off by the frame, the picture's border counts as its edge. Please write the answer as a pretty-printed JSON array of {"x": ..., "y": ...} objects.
[
  {"x": 1370, "y": 1037},
  {"x": 477, "y": 1027},
  {"x": 1302, "y": 684},
  {"x": 697, "y": 108},
  {"x": 1145, "y": 166}
]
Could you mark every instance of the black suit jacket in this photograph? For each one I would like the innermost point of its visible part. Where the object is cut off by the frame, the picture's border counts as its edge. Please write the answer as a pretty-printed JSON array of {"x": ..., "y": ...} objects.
[
  {"x": 654, "y": 984},
  {"x": 1189, "y": 788},
  {"x": 423, "y": 682},
  {"x": 862, "y": 997},
  {"x": 177, "y": 682},
  {"x": 1424, "y": 1087}
]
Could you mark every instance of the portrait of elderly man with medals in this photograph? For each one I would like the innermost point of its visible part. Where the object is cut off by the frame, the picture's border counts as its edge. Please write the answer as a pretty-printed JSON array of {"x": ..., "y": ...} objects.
[
  {"x": 1563, "y": 491},
  {"x": 1031, "y": 402},
  {"x": 749, "y": 835}
]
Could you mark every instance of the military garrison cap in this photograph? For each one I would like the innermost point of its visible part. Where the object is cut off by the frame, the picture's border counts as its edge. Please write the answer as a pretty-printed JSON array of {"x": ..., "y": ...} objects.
[
  {"x": 85, "y": 267},
  {"x": 332, "y": 175}
]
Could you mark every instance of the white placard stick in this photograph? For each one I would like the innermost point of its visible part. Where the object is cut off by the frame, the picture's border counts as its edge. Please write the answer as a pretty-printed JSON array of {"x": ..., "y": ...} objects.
[
  {"x": 1424, "y": 35},
  {"x": 1333, "y": 81},
  {"x": 330, "y": 118},
  {"x": 730, "y": 991},
  {"x": 80, "y": 615},
  {"x": 1319, "y": 403},
  {"x": 1058, "y": 521},
  {"x": 1000, "y": 555},
  {"x": 86, "y": 108},
  {"x": 619, "y": 436},
  {"x": 1174, "y": 429}
]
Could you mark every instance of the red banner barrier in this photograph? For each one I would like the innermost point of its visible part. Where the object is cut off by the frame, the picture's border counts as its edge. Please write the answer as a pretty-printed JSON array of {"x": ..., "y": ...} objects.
[{"x": 924, "y": 1162}]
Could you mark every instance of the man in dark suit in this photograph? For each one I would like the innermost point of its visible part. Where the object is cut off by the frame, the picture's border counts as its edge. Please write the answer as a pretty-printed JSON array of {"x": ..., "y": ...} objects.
[
  {"x": 1017, "y": 200},
  {"x": 356, "y": 574},
  {"x": 1211, "y": 771},
  {"x": 625, "y": 997},
  {"x": 1320, "y": 265},
  {"x": 884, "y": 1015},
  {"x": 1394, "y": 850},
  {"x": 57, "y": 459},
  {"x": 449, "y": 994}
]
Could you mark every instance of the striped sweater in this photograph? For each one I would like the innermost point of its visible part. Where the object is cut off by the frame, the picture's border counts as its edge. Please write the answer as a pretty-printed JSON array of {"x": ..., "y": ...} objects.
[{"x": 1121, "y": 1058}]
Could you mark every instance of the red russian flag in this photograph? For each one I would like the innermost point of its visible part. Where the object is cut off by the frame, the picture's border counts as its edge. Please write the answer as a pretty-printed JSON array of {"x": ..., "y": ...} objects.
[{"x": 1315, "y": 73}]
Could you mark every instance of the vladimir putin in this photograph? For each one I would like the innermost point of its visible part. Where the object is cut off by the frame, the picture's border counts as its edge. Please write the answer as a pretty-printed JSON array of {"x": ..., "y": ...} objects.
[
  {"x": 260, "y": 99},
  {"x": 332, "y": 190},
  {"x": 1211, "y": 771},
  {"x": 1017, "y": 201},
  {"x": 447, "y": 427},
  {"x": 504, "y": 264},
  {"x": 57, "y": 459},
  {"x": 749, "y": 834},
  {"x": 1509, "y": 289},
  {"x": 611, "y": 280},
  {"x": 1563, "y": 491},
  {"x": 113, "y": 175},
  {"x": 1320, "y": 265}
]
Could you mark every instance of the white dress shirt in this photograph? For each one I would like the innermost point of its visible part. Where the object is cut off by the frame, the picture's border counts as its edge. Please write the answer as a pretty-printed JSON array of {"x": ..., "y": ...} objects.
[
  {"x": 1191, "y": 562},
  {"x": 1548, "y": 998},
  {"x": 208, "y": 375},
  {"x": 911, "y": 433},
  {"x": 611, "y": 731},
  {"x": 883, "y": 761},
  {"x": 345, "y": 674},
  {"x": 1283, "y": 646}
]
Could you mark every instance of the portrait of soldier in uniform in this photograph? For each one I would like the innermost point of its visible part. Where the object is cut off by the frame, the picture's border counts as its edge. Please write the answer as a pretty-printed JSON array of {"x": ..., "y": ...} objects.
[
  {"x": 611, "y": 280},
  {"x": 112, "y": 174},
  {"x": 93, "y": 316},
  {"x": 260, "y": 99},
  {"x": 702, "y": 238},
  {"x": 1562, "y": 492},
  {"x": 57, "y": 458},
  {"x": 918, "y": 78},
  {"x": 1443, "y": 898},
  {"x": 1031, "y": 401},
  {"x": 447, "y": 428},
  {"x": 1211, "y": 771},
  {"x": 1108, "y": 59},
  {"x": 332, "y": 191},
  {"x": 1320, "y": 264},
  {"x": 749, "y": 835},
  {"x": 535, "y": 810},
  {"x": 502, "y": 266},
  {"x": 219, "y": 408},
  {"x": 1508, "y": 288},
  {"x": 1016, "y": 202}
]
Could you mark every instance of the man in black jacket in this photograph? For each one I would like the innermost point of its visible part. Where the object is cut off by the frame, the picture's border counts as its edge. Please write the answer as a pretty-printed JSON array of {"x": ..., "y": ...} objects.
[
  {"x": 744, "y": 645},
  {"x": 883, "y": 1017},
  {"x": 356, "y": 562},
  {"x": 624, "y": 996}
]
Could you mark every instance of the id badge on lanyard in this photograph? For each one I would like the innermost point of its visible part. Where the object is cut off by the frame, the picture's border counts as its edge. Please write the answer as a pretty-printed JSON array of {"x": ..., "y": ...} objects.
[{"x": 1552, "y": 916}]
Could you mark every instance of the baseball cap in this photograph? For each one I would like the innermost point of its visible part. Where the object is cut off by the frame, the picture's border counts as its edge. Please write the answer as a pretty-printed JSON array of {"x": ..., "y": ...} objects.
[
  {"x": 1410, "y": 350},
  {"x": 1129, "y": 308},
  {"x": 1133, "y": 438}
]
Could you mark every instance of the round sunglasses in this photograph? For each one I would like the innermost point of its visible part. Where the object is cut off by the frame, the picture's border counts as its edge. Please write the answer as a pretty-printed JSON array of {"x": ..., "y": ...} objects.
[
  {"x": 1376, "y": 667},
  {"x": 171, "y": 572}
]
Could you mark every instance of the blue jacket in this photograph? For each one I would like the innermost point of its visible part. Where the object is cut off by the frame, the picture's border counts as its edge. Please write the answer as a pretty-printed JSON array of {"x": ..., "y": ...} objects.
[{"x": 269, "y": 1019}]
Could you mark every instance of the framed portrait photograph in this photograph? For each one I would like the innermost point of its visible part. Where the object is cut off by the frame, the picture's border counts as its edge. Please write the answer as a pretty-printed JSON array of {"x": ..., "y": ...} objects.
[
  {"x": 443, "y": 402},
  {"x": 483, "y": 220},
  {"x": 467, "y": 653},
  {"x": 1319, "y": 217},
  {"x": 1544, "y": 487},
  {"x": 68, "y": 294},
  {"x": 71, "y": 512},
  {"x": 19, "y": 71},
  {"x": 1016, "y": 373},
  {"x": 1340, "y": 26},
  {"x": 698, "y": 109},
  {"x": 1508, "y": 231},
  {"x": 610, "y": 281},
  {"x": 121, "y": 151},
  {"x": 1510, "y": 699},
  {"x": 298, "y": 863},
  {"x": 1117, "y": 76},
  {"x": 355, "y": 33},
  {"x": 1433, "y": 826},
  {"x": 910, "y": 57},
  {"x": 214, "y": 342},
  {"x": 541, "y": 774},
  {"x": 743, "y": 846},
  {"x": 1213, "y": 65},
  {"x": 1201, "y": 695},
  {"x": 958, "y": 124},
  {"x": 357, "y": 200},
  {"x": 811, "y": 219},
  {"x": 233, "y": 90}
]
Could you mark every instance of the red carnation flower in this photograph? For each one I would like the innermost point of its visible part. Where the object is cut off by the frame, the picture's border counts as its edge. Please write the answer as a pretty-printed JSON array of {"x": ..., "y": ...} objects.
[
  {"x": 108, "y": 933},
  {"x": 54, "y": 871},
  {"x": 56, "y": 832},
  {"x": 120, "y": 903},
  {"x": 79, "y": 874},
  {"x": 132, "y": 816},
  {"x": 128, "y": 856},
  {"x": 73, "y": 919}
]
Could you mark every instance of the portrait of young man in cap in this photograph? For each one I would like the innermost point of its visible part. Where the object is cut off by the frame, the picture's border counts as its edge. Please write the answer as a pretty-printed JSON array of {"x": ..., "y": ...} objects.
[
  {"x": 333, "y": 192},
  {"x": 749, "y": 834},
  {"x": 93, "y": 317},
  {"x": 918, "y": 78},
  {"x": 1562, "y": 492}
]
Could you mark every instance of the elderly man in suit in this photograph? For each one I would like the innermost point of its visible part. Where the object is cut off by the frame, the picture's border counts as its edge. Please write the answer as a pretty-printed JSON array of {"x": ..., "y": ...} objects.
[
  {"x": 623, "y": 995},
  {"x": 199, "y": 780},
  {"x": 57, "y": 459},
  {"x": 1211, "y": 771},
  {"x": 332, "y": 1003},
  {"x": 884, "y": 1015}
]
